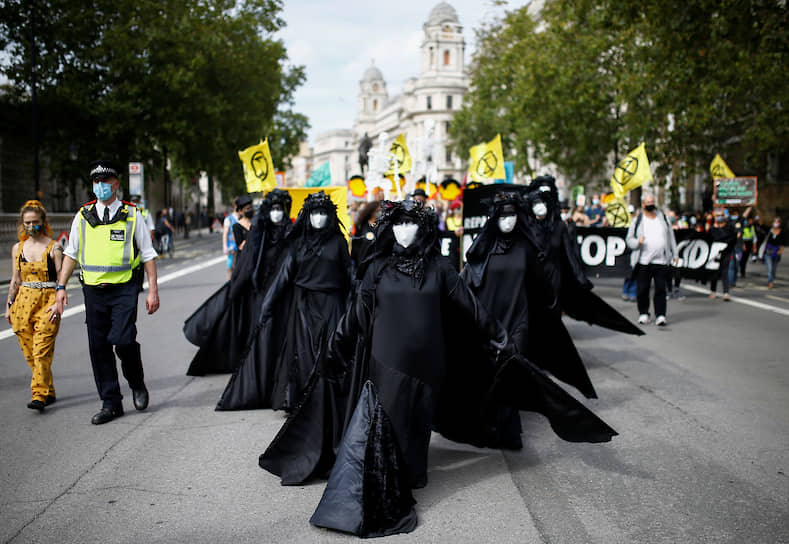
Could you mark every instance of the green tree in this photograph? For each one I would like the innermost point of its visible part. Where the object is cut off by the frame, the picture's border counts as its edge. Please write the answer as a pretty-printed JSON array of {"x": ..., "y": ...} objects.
[
  {"x": 191, "y": 81},
  {"x": 582, "y": 83}
]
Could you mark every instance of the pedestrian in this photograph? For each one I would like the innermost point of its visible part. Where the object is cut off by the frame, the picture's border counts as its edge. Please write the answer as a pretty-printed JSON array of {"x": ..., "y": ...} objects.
[
  {"x": 595, "y": 212},
  {"x": 241, "y": 227},
  {"x": 229, "y": 246},
  {"x": 748, "y": 241},
  {"x": 109, "y": 239},
  {"x": 146, "y": 214},
  {"x": 31, "y": 310},
  {"x": 722, "y": 231},
  {"x": 651, "y": 240},
  {"x": 773, "y": 247},
  {"x": 165, "y": 230}
]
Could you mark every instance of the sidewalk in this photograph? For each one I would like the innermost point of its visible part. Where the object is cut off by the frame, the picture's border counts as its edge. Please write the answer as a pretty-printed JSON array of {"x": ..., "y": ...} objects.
[{"x": 195, "y": 236}]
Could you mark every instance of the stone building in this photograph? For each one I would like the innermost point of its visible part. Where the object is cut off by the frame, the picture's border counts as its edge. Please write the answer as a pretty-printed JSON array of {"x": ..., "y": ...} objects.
[{"x": 423, "y": 110}]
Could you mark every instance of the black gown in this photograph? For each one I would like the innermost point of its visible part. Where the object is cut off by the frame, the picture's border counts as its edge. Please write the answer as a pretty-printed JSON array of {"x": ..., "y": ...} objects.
[
  {"x": 303, "y": 304},
  {"x": 222, "y": 325},
  {"x": 413, "y": 353}
]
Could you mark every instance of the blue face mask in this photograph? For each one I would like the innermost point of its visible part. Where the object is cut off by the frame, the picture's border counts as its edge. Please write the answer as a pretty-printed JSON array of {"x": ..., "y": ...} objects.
[{"x": 103, "y": 191}]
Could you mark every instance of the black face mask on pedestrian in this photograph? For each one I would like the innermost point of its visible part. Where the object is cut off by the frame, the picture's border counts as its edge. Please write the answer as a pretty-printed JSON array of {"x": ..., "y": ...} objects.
[
  {"x": 650, "y": 207},
  {"x": 249, "y": 213}
]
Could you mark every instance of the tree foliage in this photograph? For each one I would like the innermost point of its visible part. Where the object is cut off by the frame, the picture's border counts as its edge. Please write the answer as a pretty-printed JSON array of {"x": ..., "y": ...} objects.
[
  {"x": 581, "y": 83},
  {"x": 196, "y": 80}
]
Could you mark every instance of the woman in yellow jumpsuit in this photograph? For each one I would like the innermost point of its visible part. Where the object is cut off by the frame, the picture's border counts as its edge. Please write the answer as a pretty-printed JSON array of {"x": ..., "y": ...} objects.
[{"x": 31, "y": 308}]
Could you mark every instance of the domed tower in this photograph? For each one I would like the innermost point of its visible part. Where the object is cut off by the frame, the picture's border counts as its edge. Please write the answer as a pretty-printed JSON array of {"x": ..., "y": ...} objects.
[
  {"x": 443, "y": 46},
  {"x": 372, "y": 94}
]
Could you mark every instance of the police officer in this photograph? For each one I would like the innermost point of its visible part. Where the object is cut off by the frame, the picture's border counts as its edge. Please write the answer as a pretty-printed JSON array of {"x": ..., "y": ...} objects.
[
  {"x": 110, "y": 239},
  {"x": 145, "y": 212}
]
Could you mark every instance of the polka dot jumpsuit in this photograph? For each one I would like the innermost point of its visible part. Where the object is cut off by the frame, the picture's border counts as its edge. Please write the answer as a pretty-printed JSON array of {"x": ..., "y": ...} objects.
[{"x": 30, "y": 322}]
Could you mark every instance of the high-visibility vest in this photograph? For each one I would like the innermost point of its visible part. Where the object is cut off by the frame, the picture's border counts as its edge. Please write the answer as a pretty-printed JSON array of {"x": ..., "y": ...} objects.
[
  {"x": 748, "y": 232},
  {"x": 106, "y": 252}
]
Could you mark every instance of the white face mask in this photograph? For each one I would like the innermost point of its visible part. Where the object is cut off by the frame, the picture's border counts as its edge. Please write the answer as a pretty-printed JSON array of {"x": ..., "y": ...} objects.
[
  {"x": 507, "y": 223},
  {"x": 318, "y": 220},
  {"x": 405, "y": 233},
  {"x": 540, "y": 209},
  {"x": 276, "y": 216}
]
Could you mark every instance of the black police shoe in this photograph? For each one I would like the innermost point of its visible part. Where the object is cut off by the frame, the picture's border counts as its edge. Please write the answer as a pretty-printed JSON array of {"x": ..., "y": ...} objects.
[
  {"x": 36, "y": 405},
  {"x": 106, "y": 415},
  {"x": 140, "y": 397}
]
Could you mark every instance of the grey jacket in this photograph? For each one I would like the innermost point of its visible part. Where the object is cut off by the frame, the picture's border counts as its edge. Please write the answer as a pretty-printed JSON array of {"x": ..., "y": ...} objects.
[{"x": 635, "y": 231}]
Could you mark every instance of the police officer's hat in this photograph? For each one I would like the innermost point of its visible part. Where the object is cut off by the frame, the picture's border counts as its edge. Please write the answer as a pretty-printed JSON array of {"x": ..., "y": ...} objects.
[{"x": 103, "y": 169}]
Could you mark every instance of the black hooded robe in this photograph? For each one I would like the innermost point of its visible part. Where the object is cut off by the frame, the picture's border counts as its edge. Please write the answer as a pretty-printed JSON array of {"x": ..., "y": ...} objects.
[
  {"x": 397, "y": 343},
  {"x": 222, "y": 325},
  {"x": 301, "y": 309}
]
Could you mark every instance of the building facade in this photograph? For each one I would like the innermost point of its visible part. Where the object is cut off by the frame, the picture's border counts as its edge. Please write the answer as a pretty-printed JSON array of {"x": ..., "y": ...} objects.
[{"x": 423, "y": 110}]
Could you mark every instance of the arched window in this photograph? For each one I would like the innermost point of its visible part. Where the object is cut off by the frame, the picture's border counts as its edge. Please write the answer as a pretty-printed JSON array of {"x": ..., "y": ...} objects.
[
  {"x": 432, "y": 58},
  {"x": 446, "y": 58},
  {"x": 375, "y": 105}
]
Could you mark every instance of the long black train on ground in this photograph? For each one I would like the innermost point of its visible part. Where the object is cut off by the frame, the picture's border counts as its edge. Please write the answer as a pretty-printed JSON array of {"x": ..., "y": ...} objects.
[
  {"x": 302, "y": 306},
  {"x": 415, "y": 352},
  {"x": 222, "y": 325}
]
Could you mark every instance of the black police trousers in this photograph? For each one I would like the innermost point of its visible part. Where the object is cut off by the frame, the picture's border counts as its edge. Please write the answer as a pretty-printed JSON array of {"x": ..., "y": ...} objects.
[{"x": 111, "y": 317}]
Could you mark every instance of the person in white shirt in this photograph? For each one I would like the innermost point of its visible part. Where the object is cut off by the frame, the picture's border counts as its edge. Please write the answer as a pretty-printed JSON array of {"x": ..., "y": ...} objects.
[
  {"x": 654, "y": 248},
  {"x": 110, "y": 239}
]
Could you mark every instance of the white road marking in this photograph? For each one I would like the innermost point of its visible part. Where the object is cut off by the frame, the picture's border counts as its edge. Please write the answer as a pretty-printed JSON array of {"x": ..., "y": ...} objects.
[
  {"x": 164, "y": 279},
  {"x": 747, "y": 302}
]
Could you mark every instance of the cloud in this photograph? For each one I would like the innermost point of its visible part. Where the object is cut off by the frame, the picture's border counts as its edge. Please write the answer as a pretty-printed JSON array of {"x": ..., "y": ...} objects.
[{"x": 336, "y": 42}]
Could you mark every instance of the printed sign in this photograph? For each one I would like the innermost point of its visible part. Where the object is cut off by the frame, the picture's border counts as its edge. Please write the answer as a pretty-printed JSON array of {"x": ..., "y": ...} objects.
[{"x": 735, "y": 191}]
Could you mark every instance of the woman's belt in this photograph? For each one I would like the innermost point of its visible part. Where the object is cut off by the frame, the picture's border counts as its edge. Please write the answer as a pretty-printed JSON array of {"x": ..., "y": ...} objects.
[{"x": 39, "y": 284}]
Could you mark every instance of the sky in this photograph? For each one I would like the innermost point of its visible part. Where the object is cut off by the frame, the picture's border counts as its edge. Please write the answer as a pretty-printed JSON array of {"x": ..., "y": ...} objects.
[{"x": 337, "y": 41}]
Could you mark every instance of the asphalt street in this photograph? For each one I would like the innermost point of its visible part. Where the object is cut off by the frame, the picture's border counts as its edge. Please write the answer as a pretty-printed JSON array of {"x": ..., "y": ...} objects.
[{"x": 702, "y": 408}]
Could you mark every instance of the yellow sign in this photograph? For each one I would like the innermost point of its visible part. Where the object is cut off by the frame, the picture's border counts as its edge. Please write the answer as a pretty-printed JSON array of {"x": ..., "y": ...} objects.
[
  {"x": 617, "y": 213},
  {"x": 400, "y": 152},
  {"x": 487, "y": 161},
  {"x": 719, "y": 168},
  {"x": 631, "y": 172},
  {"x": 259, "y": 171}
]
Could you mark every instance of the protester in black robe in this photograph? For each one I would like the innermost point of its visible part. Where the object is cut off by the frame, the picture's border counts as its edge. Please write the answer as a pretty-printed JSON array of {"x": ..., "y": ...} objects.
[
  {"x": 416, "y": 351},
  {"x": 567, "y": 289},
  {"x": 222, "y": 324},
  {"x": 303, "y": 304}
]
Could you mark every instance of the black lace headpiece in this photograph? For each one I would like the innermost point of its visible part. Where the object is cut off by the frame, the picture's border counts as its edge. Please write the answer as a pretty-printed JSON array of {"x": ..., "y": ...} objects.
[
  {"x": 412, "y": 260},
  {"x": 302, "y": 229}
]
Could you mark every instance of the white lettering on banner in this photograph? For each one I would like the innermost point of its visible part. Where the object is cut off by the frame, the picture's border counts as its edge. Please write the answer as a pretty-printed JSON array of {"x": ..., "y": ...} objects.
[
  {"x": 692, "y": 253},
  {"x": 714, "y": 262},
  {"x": 615, "y": 246},
  {"x": 599, "y": 252},
  {"x": 445, "y": 242},
  {"x": 475, "y": 221},
  {"x": 467, "y": 241}
]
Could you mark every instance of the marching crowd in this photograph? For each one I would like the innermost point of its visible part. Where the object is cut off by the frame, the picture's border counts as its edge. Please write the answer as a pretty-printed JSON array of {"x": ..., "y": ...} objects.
[{"x": 370, "y": 348}]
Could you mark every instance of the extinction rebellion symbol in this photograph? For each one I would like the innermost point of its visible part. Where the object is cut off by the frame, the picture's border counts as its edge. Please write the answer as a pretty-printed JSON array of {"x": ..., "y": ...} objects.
[
  {"x": 487, "y": 164},
  {"x": 625, "y": 170},
  {"x": 617, "y": 214},
  {"x": 259, "y": 165},
  {"x": 399, "y": 154},
  {"x": 717, "y": 171}
]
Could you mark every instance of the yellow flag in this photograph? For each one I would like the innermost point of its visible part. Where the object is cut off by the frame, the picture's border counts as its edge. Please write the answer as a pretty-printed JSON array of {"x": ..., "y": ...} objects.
[
  {"x": 258, "y": 167},
  {"x": 487, "y": 161},
  {"x": 631, "y": 172},
  {"x": 617, "y": 213},
  {"x": 399, "y": 151},
  {"x": 719, "y": 168}
]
